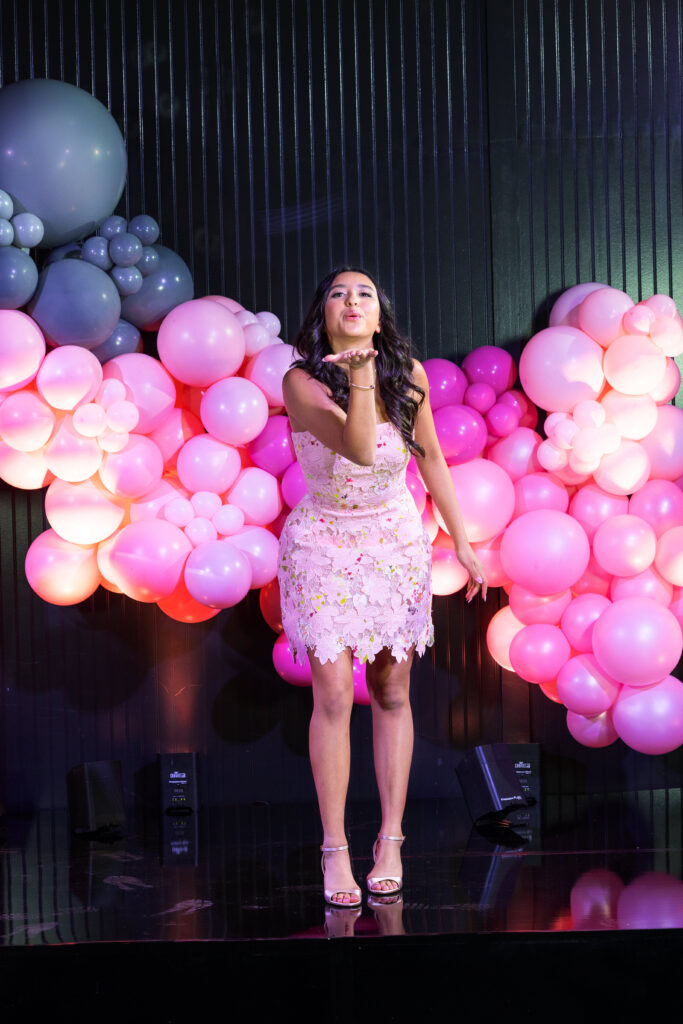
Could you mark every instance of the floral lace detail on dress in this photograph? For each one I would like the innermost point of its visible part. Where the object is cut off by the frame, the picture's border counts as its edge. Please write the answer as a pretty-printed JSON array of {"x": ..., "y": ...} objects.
[{"x": 355, "y": 561}]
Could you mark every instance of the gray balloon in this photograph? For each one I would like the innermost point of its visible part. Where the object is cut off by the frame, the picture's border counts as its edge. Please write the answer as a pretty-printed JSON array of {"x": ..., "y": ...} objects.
[
  {"x": 18, "y": 278},
  {"x": 169, "y": 285},
  {"x": 75, "y": 304},
  {"x": 62, "y": 157}
]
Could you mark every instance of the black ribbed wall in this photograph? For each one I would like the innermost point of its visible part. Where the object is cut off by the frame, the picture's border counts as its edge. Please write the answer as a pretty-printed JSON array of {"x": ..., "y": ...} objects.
[{"x": 479, "y": 157}]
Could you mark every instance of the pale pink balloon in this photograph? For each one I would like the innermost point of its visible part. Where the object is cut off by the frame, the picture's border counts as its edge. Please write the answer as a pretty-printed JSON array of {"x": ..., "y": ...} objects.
[
  {"x": 135, "y": 470},
  {"x": 69, "y": 455},
  {"x": 561, "y": 366},
  {"x": 148, "y": 559},
  {"x": 148, "y": 385},
  {"x": 256, "y": 338},
  {"x": 89, "y": 420},
  {"x": 538, "y": 652},
  {"x": 659, "y": 503},
  {"x": 83, "y": 513},
  {"x": 448, "y": 575},
  {"x": 625, "y": 545},
  {"x": 488, "y": 553},
  {"x": 588, "y": 414},
  {"x": 269, "y": 321},
  {"x": 516, "y": 454},
  {"x": 490, "y": 364},
  {"x": 540, "y": 490},
  {"x": 626, "y": 470},
  {"x": 648, "y": 584},
  {"x": 182, "y": 607},
  {"x": 584, "y": 687},
  {"x": 110, "y": 391},
  {"x": 266, "y": 370},
  {"x": 122, "y": 417},
  {"x": 579, "y": 618},
  {"x": 502, "y": 629},
  {"x": 591, "y": 506},
  {"x": 566, "y": 308},
  {"x": 650, "y": 718},
  {"x": 200, "y": 342},
  {"x": 178, "y": 427},
  {"x": 634, "y": 364},
  {"x": 527, "y": 410},
  {"x": 228, "y": 520},
  {"x": 416, "y": 488},
  {"x": 294, "y": 485},
  {"x": 594, "y": 580},
  {"x": 482, "y": 397},
  {"x": 245, "y": 316},
  {"x": 633, "y": 415},
  {"x": 151, "y": 504},
  {"x": 653, "y": 900},
  {"x": 531, "y": 608},
  {"x": 206, "y": 503},
  {"x": 206, "y": 464},
  {"x": 234, "y": 410},
  {"x": 104, "y": 564},
  {"x": 637, "y": 641},
  {"x": 26, "y": 421},
  {"x": 592, "y": 731},
  {"x": 447, "y": 382},
  {"x": 667, "y": 336},
  {"x": 61, "y": 572},
  {"x": 461, "y": 433},
  {"x": 178, "y": 511},
  {"x": 218, "y": 574},
  {"x": 664, "y": 444},
  {"x": 273, "y": 449},
  {"x": 258, "y": 494},
  {"x": 26, "y": 470},
  {"x": 669, "y": 557},
  {"x": 69, "y": 375},
  {"x": 601, "y": 313},
  {"x": 669, "y": 384},
  {"x": 22, "y": 348},
  {"x": 545, "y": 551},
  {"x": 298, "y": 672},
  {"x": 261, "y": 547},
  {"x": 662, "y": 305},
  {"x": 199, "y": 530},
  {"x": 486, "y": 496},
  {"x": 232, "y": 304},
  {"x": 429, "y": 521},
  {"x": 639, "y": 319},
  {"x": 551, "y": 458}
]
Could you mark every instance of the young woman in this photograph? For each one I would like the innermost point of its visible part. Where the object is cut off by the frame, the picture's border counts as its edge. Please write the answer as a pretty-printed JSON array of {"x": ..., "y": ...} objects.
[{"x": 355, "y": 561}]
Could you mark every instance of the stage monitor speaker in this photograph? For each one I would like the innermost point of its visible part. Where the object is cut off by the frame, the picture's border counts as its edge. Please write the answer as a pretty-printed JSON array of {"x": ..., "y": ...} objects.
[
  {"x": 489, "y": 781},
  {"x": 179, "y": 794},
  {"x": 95, "y": 795}
]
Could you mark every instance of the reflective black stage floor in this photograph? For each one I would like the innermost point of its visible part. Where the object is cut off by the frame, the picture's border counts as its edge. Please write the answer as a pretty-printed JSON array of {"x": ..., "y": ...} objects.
[{"x": 583, "y": 895}]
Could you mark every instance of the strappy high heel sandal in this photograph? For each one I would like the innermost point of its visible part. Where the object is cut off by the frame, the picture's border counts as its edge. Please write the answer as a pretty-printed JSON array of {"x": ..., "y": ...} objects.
[
  {"x": 329, "y": 893},
  {"x": 374, "y": 880}
]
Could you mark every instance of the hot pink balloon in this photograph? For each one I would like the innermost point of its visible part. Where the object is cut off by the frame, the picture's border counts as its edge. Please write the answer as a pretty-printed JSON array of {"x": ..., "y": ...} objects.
[
  {"x": 234, "y": 410},
  {"x": 650, "y": 718},
  {"x": 26, "y": 421},
  {"x": 61, "y": 572},
  {"x": 133, "y": 471},
  {"x": 516, "y": 454},
  {"x": 148, "y": 385},
  {"x": 200, "y": 342},
  {"x": 591, "y": 506},
  {"x": 22, "y": 348},
  {"x": 273, "y": 449},
  {"x": 481, "y": 397},
  {"x": 659, "y": 503},
  {"x": 592, "y": 731},
  {"x": 625, "y": 545},
  {"x": 561, "y": 366},
  {"x": 601, "y": 313},
  {"x": 625, "y": 470},
  {"x": 294, "y": 485},
  {"x": 447, "y": 382},
  {"x": 298, "y": 673},
  {"x": 637, "y": 641},
  {"x": 538, "y": 652},
  {"x": 664, "y": 444},
  {"x": 83, "y": 513},
  {"x": 531, "y": 608},
  {"x": 461, "y": 433},
  {"x": 545, "y": 551},
  {"x": 566, "y": 308},
  {"x": 502, "y": 420},
  {"x": 584, "y": 687},
  {"x": 261, "y": 548},
  {"x": 360, "y": 686},
  {"x": 206, "y": 464},
  {"x": 266, "y": 370},
  {"x": 502, "y": 629},
  {"x": 258, "y": 494},
  {"x": 540, "y": 490},
  {"x": 69, "y": 375},
  {"x": 148, "y": 558},
  {"x": 489, "y": 364},
  {"x": 580, "y": 617},
  {"x": 218, "y": 574},
  {"x": 527, "y": 410}
]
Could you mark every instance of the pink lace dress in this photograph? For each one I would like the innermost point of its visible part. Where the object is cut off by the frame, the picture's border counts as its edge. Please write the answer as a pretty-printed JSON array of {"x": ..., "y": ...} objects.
[{"x": 355, "y": 561}]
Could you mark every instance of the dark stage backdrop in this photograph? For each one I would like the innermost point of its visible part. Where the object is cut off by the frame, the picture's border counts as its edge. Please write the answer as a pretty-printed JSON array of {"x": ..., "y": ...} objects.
[{"x": 479, "y": 157}]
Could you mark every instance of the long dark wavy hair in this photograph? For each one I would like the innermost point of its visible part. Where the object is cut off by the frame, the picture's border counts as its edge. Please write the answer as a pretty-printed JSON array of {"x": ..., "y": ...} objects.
[{"x": 393, "y": 362}]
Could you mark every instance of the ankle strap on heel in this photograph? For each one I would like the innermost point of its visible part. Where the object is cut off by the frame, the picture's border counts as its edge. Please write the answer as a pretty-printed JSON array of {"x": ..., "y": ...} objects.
[
  {"x": 394, "y": 839},
  {"x": 333, "y": 849}
]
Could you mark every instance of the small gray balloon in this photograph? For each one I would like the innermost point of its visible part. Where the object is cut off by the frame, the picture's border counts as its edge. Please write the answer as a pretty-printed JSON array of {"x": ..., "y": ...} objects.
[
  {"x": 169, "y": 285},
  {"x": 18, "y": 278}
]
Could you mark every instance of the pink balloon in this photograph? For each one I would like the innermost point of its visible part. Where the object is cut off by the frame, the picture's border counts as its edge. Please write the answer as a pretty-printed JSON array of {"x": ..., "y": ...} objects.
[
  {"x": 261, "y": 548},
  {"x": 601, "y": 313},
  {"x": 667, "y": 336},
  {"x": 502, "y": 419},
  {"x": 502, "y": 629},
  {"x": 147, "y": 558},
  {"x": 566, "y": 308},
  {"x": 634, "y": 364},
  {"x": 527, "y": 410},
  {"x": 269, "y": 321},
  {"x": 61, "y": 572},
  {"x": 625, "y": 470},
  {"x": 26, "y": 421},
  {"x": 561, "y": 366},
  {"x": 639, "y": 319},
  {"x": 592, "y": 731},
  {"x": 637, "y": 641},
  {"x": 83, "y": 513},
  {"x": 416, "y": 488},
  {"x": 531, "y": 608},
  {"x": 298, "y": 673},
  {"x": 669, "y": 557},
  {"x": 205, "y": 464},
  {"x": 360, "y": 686},
  {"x": 26, "y": 470},
  {"x": 182, "y": 607},
  {"x": 151, "y": 504},
  {"x": 232, "y": 304},
  {"x": 664, "y": 444},
  {"x": 516, "y": 454},
  {"x": 228, "y": 520},
  {"x": 489, "y": 364},
  {"x": 256, "y": 338},
  {"x": 200, "y": 342},
  {"x": 580, "y": 617},
  {"x": 266, "y": 370},
  {"x": 148, "y": 386},
  {"x": 258, "y": 494},
  {"x": 584, "y": 687},
  {"x": 625, "y": 545},
  {"x": 234, "y": 410},
  {"x": 540, "y": 490},
  {"x": 122, "y": 417},
  {"x": 591, "y": 506},
  {"x": 659, "y": 503},
  {"x": 447, "y": 382},
  {"x": 294, "y": 485},
  {"x": 218, "y": 574},
  {"x": 178, "y": 511},
  {"x": 654, "y": 900},
  {"x": 595, "y": 580},
  {"x": 650, "y": 718},
  {"x": 633, "y": 415},
  {"x": 488, "y": 553},
  {"x": 481, "y": 397},
  {"x": 206, "y": 503},
  {"x": 178, "y": 427},
  {"x": 90, "y": 420},
  {"x": 669, "y": 384},
  {"x": 461, "y": 433},
  {"x": 647, "y": 584},
  {"x": 486, "y": 496},
  {"x": 133, "y": 471},
  {"x": 22, "y": 348},
  {"x": 429, "y": 521},
  {"x": 199, "y": 530},
  {"x": 448, "y": 575},
  {"x": 69, "y": 375},
  {"x": 273, "y": 449},
  {"x": 69, "y": 455},
  {"x": 538, "y": 652},
  {"x": 545, "y": 551}
]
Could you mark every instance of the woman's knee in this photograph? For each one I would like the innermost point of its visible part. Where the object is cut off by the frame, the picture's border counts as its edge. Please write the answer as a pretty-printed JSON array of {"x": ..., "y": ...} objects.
[{"x": 389, "y": 684}]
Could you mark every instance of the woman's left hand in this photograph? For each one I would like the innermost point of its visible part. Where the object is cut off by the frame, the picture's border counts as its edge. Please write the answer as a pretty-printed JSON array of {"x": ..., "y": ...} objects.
[{"x": 477, "y": 582}]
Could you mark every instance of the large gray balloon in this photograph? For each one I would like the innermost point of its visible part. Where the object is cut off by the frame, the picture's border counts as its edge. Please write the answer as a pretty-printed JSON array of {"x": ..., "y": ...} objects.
[
  {"x": 169, "y": 285},
  {"x": 62, "y": 157},
  {"x": 75, "y": 303}
]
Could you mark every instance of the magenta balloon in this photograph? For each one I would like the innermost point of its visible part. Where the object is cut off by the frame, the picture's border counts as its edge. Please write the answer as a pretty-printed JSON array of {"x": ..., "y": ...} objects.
[
  {"x": 273, "y": 450},
  {"x": 200, "y": 342},
  {"x": 492, "y": 365},
  {"x": 258, "y": 494},
  {"x": 294, "y": 485},
  {"x": 527, "y": 410},
  {"x": 601, "y": 313},
  {"x": 261, "y": 547},
  {"x": 561, "y": 366},
  {"x": 502, "y": 419},
  {"x": 294, "y": 672},
  {"x": 647, "y": 584},
  {"x": 461, "y": 432},
  {"x": 625, "y": 545},
  {"x": 531, "y": 608},
  {"x": 538, "y": 652},
  {"x": 481, "y": 397},
  {"x": 659, "y": 503},
  {"x": 566, "y": 308},
  {"x": 218, "y": 574},
  {"x": 637, "y": 641},
  {"x": 650, "y": 718},
  {"x": 584, "y": 687},
  {"x": 59, "y": 571},
  {"x": 148, "y": 558},
  {"x": 133, "y": 471},
  {"x": 664, "y": 444},
  {"x": 592, "y": 731},
  {"x": 486, "y": 496},
  {"x": 516, "y": 453},
  {"x": 22, "y": 348},
  {"x": 580, "y": 617},
  {"x": 360, "y": 686},
  {"x": 148, "y": 386},
  {"x": 205, "y": 464},
  {"x": 447, "y": 382},
  {"x": 540, "y": 490},
  {"x": 234, "y": 410},
  {"x": 545, "y": 551},
  {"x": 654, "y": 900},
  {"x": 591, "y": 506}
]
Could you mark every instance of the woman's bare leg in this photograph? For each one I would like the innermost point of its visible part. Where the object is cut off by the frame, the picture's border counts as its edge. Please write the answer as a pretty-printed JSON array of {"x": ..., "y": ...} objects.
[
  {"x": 392, "y": 730},
  {"x": 329, "y": 748}
]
